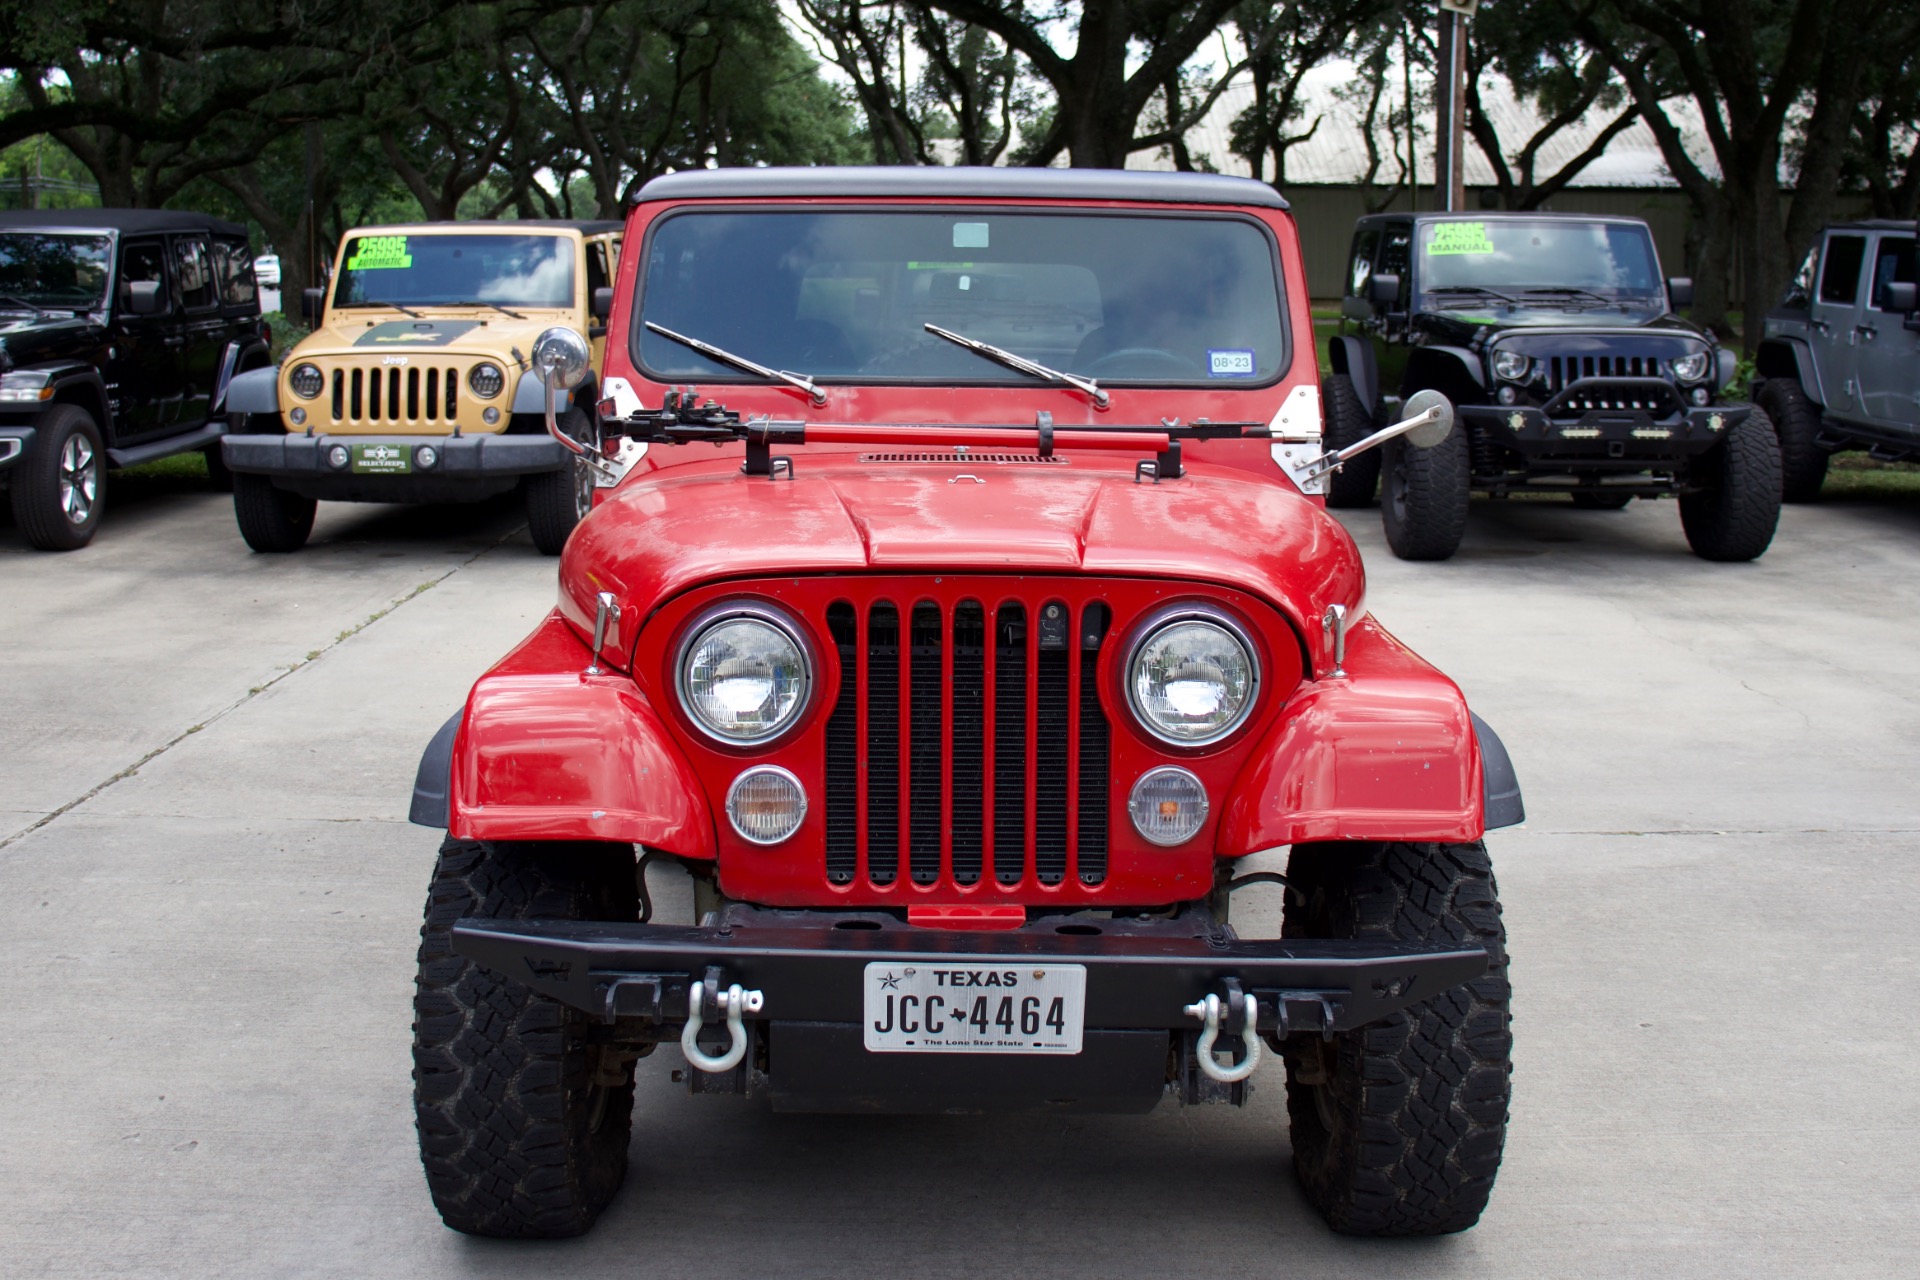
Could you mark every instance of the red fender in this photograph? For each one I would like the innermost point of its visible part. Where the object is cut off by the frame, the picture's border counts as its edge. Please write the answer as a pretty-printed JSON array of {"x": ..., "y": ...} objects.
[
  {"x": 546, "y": 752},
  {"x": 1388, "y": 753}
]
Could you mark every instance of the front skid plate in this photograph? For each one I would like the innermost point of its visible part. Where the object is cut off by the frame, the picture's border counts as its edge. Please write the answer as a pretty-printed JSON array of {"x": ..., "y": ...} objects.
[{"x": 809, "y": 965}]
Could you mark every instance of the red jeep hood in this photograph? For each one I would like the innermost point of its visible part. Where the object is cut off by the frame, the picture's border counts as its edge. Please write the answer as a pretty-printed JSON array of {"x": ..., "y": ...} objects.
[{"x": 687, "y": 525}]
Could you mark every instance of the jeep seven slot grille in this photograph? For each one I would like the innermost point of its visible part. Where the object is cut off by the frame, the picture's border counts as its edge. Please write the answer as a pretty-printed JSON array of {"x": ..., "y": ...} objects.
[
  {"x": 400, "y": 396},
  {"x": 967, "y": 742},
  {"x": 1562, "y": 370}
]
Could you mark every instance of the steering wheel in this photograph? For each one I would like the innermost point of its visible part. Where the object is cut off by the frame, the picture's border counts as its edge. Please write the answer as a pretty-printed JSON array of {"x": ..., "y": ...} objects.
[{"x": 1141, "y": 362}]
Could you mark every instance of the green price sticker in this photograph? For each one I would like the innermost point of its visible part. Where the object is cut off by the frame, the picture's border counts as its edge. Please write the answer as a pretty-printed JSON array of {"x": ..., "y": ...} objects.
[
  {"x": 379, "y": 253},
  {"x": 1459, "y": 237}
]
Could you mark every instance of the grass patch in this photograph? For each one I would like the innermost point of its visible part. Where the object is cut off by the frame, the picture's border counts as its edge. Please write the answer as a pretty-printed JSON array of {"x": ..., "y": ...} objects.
[
  {"x": 191, "y": 465},
  {"x": 1853, "y": 475}
]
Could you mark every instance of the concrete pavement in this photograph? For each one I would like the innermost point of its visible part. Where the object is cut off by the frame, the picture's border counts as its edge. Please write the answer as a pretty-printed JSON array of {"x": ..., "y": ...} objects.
[{"x": 1711, "y": 906}]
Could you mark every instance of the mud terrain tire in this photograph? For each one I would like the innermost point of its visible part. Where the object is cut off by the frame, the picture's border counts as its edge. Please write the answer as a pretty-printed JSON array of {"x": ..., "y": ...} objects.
[
  {"x": 519, "y": 1132},
  {"x": 1796, "y": 420},
  {"x": 1349, "y": 422},
  {"x": 1733, "y": 512},
  {"x": 559, "y": 500},
  {"x": 1424, "y": 494},
  {"x": 1398, "y": 1126}
]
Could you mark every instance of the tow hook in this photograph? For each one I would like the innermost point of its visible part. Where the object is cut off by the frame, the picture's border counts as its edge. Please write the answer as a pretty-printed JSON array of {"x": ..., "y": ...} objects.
[
  {"x": 735, "y": 1003},
  {"x": 1209, "y": 1012}
]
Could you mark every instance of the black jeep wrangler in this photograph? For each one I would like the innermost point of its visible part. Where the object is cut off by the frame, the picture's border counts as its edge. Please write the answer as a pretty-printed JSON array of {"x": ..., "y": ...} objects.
[
  {"x": 1554, "y": 335},
  {"x": 1839, "y": 367},
  {"x": 120, "y": 330}
]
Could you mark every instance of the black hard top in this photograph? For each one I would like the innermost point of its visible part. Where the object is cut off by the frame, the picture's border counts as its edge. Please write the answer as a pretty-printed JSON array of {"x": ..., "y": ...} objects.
[
  {"x": 1873, "y": 224},
  {"x": 128, "y": 220},
  {"x": 961, "y": 182}
]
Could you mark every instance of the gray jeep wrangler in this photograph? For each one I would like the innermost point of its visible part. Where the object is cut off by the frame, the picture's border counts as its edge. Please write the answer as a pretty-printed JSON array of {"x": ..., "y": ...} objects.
[{"x": 1839, "y": 366}]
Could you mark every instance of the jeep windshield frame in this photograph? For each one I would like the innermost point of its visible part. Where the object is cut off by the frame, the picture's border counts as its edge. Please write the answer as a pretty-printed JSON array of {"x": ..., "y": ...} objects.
[
  {"x": 1560, "y": 263},
  {"x": 406, "y": 268},
  {"x": 1195, "y": 298},
  {"x": 29, "y": 257}
]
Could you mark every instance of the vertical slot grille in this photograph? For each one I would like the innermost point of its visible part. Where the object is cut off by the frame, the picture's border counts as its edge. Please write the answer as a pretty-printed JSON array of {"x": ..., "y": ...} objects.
[
  {"x": 1010, "y": 744},
  {"x": 883, "y": 743},
  {"x": 925, "y": 728},
  {"x": 843, "y": 746},
  {"x": 339, "y": 394},
  {"x": 1091, "y": 806},
  {"x": 1052, "y": 724},
  {"x": 968, "y": 752},
  {"x": 966, "y": 743},
  {"x": 357, "y": 395}
]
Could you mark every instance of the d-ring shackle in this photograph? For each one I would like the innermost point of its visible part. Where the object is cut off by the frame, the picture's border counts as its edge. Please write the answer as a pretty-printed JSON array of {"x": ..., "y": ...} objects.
[
  {"x": 736, "y": 1003},
  {"x": 1208, "y": 1011}
]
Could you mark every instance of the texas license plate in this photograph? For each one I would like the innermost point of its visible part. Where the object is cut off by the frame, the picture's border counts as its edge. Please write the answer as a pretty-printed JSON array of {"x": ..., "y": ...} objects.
[
  {"x": 937, "y": 1007},
  {"x": 381, "y": 459}
]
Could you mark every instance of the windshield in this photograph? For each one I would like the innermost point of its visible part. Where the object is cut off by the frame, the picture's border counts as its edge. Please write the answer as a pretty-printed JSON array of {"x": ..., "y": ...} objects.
[
  {"x": 62, "y": 272},
  {"x": 1512, "y": 256},
  {"x": 435, "y": 270},
  {"x": 846, "y": 296}
]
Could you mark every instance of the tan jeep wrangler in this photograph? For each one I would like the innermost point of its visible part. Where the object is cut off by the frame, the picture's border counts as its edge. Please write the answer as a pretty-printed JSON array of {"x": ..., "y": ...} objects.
[{"x": 414, "y": 385}]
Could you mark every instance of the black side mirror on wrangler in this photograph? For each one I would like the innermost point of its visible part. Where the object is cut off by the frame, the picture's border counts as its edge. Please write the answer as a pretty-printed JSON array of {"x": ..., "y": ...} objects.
[
  {"x": 601, "y": 304},
  {"x": 143, "y": 297},
  {"x": 1679, "y": 291},
  {"x": 1383, "y": 290},
  {"x": 313, "y": 303}
]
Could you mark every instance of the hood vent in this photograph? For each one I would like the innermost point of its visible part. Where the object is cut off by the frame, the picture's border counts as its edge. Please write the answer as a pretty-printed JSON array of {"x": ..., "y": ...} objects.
[{"x": 957, "y": 459}]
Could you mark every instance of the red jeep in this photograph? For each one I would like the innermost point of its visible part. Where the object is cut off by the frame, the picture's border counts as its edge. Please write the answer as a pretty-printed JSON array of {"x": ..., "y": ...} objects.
[{"x": 960, "y": 635}]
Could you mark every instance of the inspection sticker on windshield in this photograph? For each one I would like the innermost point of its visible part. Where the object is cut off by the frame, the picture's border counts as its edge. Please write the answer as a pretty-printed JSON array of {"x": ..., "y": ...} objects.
[
  {"x": 379, "y": 253},
  {"x": 974, "y": 1005},
  {"x": 1230, "y": 364},
  {"x": 1459, "y": 237},
  {"x": 381, "y": 460}
]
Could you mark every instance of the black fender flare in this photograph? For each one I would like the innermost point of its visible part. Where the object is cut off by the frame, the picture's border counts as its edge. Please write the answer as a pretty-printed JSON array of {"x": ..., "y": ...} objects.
[
  {"x": 1499, "y": 784},
  {"x": 1790, "y": 358},
  {"x": 80, "y": 384},
  {"x": 1354, "y": 357},
  {"x": 234, "y": 360},
  {"x": 1454, "y": 372},
  {"x": 434, "y": 778}
]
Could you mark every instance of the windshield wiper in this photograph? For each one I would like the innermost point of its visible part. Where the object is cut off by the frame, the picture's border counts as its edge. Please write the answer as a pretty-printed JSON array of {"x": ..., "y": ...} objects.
[
  {"x": 391, "y": 306},
  {"x": 1003, "y": 356},
  {"x": 23, "y": 304},
  {"x": 1475, "y": 291},
  {"x": 496, "y": 306},
  {"x": 1570, "y": 292},
  {"x": 799, "y": 381}
]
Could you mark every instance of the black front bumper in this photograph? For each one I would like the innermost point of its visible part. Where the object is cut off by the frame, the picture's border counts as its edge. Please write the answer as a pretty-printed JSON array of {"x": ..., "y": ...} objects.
[
  {"x": 1564, "y": 434},
  {"x": 810, "y": 965},
  {"x": 465, "y": 467}
]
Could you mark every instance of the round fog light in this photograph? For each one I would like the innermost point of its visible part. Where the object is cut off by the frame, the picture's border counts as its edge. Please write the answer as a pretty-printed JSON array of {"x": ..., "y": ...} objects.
[
  {"x": 299, "y": 416},
  {"x": 1507, "y": 395},
  {"x": 1701, "y": 395},
  {"x": 490, "y": 415},
  {"x": 426, "y": 455},
  {"x": 766, "y": 804},
  {"x": 1167, "y": 806},
  {"x": 337, "y": 457}
]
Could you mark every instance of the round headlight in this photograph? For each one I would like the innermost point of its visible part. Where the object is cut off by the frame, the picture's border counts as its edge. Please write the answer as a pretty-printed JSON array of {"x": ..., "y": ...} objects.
[
  {"x": 1692, "y": 368},
  {"x": 1192, "y": 679},
  {"x": 1511, "y": 366},
  {"x": 486, "y": 380},
  {"x": 1167, "y": 806},
  {"x": 744, "y": 677},
  {"x": 766, "y": 804},
  {"x": 306, "y": 381}
]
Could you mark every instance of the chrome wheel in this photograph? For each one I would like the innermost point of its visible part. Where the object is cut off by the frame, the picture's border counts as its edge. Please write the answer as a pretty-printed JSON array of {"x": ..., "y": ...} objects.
[
  {"x": 582, "y": 489},
  {"x": 79, "y": 479}
]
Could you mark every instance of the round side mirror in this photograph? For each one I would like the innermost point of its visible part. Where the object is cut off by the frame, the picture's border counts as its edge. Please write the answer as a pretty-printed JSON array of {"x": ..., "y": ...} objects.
[
  {"x": 561, "y": 358},
  {"x": 1434, "y": 432}
]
